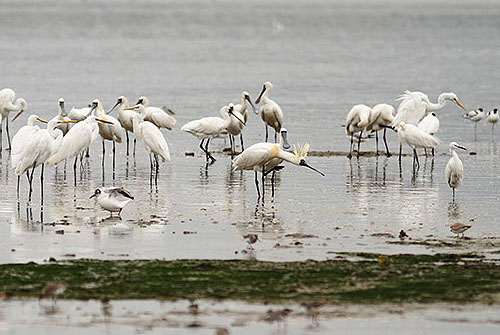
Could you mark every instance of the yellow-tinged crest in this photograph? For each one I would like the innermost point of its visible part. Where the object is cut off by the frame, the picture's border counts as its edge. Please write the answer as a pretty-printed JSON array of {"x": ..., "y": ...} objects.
[{"x": 301, "y": 152}]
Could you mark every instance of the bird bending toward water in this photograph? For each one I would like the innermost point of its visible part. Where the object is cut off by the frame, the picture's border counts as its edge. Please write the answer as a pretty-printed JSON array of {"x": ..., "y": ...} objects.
[
  {"x": 270, "y": 111},
  {"x": 429, "y": 124},
  {"x": 356, "y": 121},
  {"x": 112, "y": 199},
  {"x": 257, "y": 156},
  {"x": 415, "y": 138},
  {"x": 381, "y": 116},
  {"x": 454, "y": 170}
]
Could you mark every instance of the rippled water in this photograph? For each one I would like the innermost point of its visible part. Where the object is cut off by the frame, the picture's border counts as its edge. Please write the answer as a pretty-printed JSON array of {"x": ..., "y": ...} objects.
[{"x": 194, "y": 57}]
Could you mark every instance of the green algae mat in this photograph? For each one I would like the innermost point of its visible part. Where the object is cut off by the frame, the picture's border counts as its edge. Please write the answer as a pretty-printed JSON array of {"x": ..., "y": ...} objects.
[{"x": 368, "y": 279}]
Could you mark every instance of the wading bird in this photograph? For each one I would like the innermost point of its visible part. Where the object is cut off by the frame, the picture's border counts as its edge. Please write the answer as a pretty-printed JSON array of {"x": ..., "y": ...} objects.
[
  {"x": 415, "y": 138},
  {"x": 270, "y": 111},
  {"x": 125, "y": 117},
  {"x": 9, "y": 103},
  {"x": 37, "y": 151},
  {"x": 78, "y": 138},
  {"x": 356, "y": 121},
  {"x": 79, "y": 114},
  {"x": 235, "y": 128},
  {"x": 21, "y": 138},
  {"x": 153, "y": 139},
  {"x": 459, "y": 228},
  {"x": 429, "y": 124},
  {"x": 454, "y": 170},
  {"x": 492, "y": 118},
  {"x": 258, "y": 155},
  {"x": 112, "y": 199},
  {"x": 111, "y": 131},
  {"x": 475, "y": 116},
  {"x": 210, "y": 127},
  {"x": 61, "y": 116},
  {"x": 415, "y": 106},
  {"x": 158, "y": 116},
  {"x": 274, "y": 164},
  {"x": 381, "y": 116}
]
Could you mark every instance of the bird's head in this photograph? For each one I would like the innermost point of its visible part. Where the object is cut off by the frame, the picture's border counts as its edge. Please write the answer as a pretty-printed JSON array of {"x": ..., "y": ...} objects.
[
  {"x": 246, "y": 96},
  {"x": 451, "y": 97},
  {"x": 143, "y": 101},
  {"x": 267, "y": 87},
  {"x": 96, "y": 193},
  {"x": 121, "y": 101},
  {"x": 300, "y": 153},
  {"x": 455, "y": 145},
  {"x": 402, "y": 126},
  {"x": 61, "y": 107}
]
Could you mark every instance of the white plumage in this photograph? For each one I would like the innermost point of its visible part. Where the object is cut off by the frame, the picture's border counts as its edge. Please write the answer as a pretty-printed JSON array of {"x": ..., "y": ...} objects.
[
  {"x": 429, "y": 124},
  {"x": 381, "y": 116},
  {"x": 113, "y": 199},
  {"x": 235, "y": 128},
  {"x": 210, "y": 127},
  {"x": 356, "y": 121},
  {"x": 9, "y": 103},
  {"x": 158, "y": 116},
  {"x": 21, "y": 138},
  {"x": 492, "y": 118},
  {"x": 414, "y": 137},
  {"x": 61, "y": 116},
  {"x": 454, "y": 169},
  {"x": 78, "y": 114},
  {"x": 125, "y": 117},
  {"x": 270, "y": 111}
]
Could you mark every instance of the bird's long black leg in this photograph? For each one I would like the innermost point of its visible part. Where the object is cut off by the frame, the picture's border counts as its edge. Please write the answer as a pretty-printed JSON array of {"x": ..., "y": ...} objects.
[
  {"x": 350, "y": 147},
  {"x": 376, "y": 141},
  {"x": 263, "y": 182},
  {"x": 266, "y": 131},
  {"x": 241, "y": 140},
  {"x": 74, "y": 168},
  {"x": 416, "y": 158},
  {"x": 272, "y": 183},
  {"x": 126, "y": 133},
  {"x": 359, "y": 140},
  {"x": 18, "y": 181},
  {"x": 453, "y": 190},
  {"x": 385, "y": 142},
  {"x": 31, "y": 182},
  {"x": 231, "y": 143},
  {"x": 41, "y": 183},
  {"x": 400, "y": 151},
  {"x": 1, "y": 136},
  {"x": 135, "y": 142},
  {"x": 7, "y": 128},
  {"x": 208, "y": 152},
  {"x": 103, "y": 153},
  {"x": 432, "y": 152},
  {"x": 275, "y": 136},
  {"x": 114, "y": 150},
  {"x": 157, "y": 163},
  {"x": 257, "y": 185}
]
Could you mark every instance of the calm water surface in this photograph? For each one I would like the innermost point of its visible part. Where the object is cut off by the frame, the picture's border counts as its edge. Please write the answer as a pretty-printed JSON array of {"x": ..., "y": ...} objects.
[{"x": 323, "y": 57}]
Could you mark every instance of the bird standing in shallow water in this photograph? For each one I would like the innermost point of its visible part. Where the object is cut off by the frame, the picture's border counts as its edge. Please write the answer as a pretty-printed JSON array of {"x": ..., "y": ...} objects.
[
  {"x": 356, "y": 121},
  {"x": 459, "y": 228},
  {"x": 9, "y": 103},
  {"x": 429, "y": 124},
  {"x": 251, "y": 239},
  {"x": 381, "y": 116},
  {"x": 270, "y": 111},
  {"x": 113, "y": 199},
  {"x": 210, "y": 127},
  {"x": 492, "y": 118},
  {"x": 415, "y": 138},
  {"x": 257, "y": 156},
  {"x": 454, "y": 170},
  {"x": 125, "y": 117},
  {"x": 235, "y": 128},
  {"x": 475, "y": 116}
]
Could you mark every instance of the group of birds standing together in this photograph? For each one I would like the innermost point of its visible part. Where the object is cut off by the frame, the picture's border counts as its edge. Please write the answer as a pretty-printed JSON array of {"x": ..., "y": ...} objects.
[{"x": 415, "y": 123}]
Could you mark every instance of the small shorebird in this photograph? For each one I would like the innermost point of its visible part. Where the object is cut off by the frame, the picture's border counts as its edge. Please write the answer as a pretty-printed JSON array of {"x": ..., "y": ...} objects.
[
  {"x": 52, "y": 290},
  {"x": 112, "y": 199},
  {"x": 492, "y": 118},
  {"x": 454, "y": 170},
  {"x": 459, "y": 228}
]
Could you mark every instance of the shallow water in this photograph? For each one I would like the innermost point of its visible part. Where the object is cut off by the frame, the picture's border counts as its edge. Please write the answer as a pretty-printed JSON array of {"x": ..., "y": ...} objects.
[
  {"x": 322, "y": 57},
  {"x": 208, "y": 317}
]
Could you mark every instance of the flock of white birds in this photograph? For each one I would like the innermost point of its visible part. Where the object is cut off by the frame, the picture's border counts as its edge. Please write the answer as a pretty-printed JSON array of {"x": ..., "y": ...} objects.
[{"x": 70, "y": 134}]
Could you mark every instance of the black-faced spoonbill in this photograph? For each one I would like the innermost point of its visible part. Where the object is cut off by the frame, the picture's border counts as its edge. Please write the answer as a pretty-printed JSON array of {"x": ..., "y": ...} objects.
[
  {"x": 125, "y": 117},
  {"x": 381, "y": 116},
  {"x": 235, "y": 128},
  {"x": 270, "y": 111},
  {"x": 210, "y": 127},
  {"x": 158, "y": 116},
  {"x": 111, "y": 131},
  {"x": 356, "y": 121}
]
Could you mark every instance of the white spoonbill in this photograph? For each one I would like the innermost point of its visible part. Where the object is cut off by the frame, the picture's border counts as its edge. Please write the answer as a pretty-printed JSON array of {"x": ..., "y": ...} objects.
[
  {"x": 78, "y": 138},
  {"x": 210, "y": 127},
  {"x": 415, "y": 106},
  {"x": 235, "y": 128},
  {"x": 37, "y": 151},
  {"x": 356, "y": 121},
  {"x": 454, "y": 170},
  {"x": 111, "y": 131},
  {"x": 151, "y": 136},
  {"x": 492, "y": 118},
  {"x": 158, "y": 116},
  {"x": 381, "y": 116},
  {"x": 112, "y": 199},
  {"x": 79, "y": 114},
  {"x": 270, "y": 111},
  {"x": 429, "y": 124},
  {"x": 9, "y": 103},
  {"x": 415, "y": 138},
  {"x": 125, "y": 117},
  {"x": 257, "y": 156},
  {"x": 274, "y": 164},
  {"x": 61, "y": 116}
]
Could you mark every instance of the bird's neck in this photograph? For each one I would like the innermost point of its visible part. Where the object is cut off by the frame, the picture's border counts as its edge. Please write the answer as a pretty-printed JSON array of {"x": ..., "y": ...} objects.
[
  {"x": 17, "y": 105},
  {"x": 285, "y": 155},
  {"x": 454, "y": 153},
  {"x": 440, "y": 104}
]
